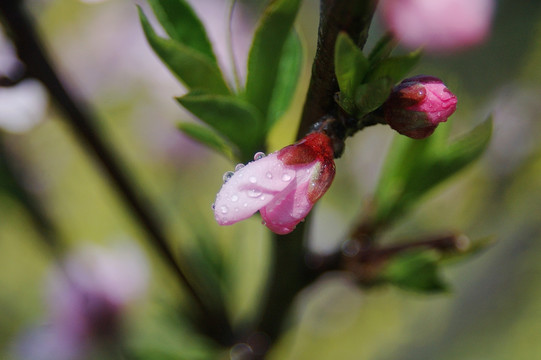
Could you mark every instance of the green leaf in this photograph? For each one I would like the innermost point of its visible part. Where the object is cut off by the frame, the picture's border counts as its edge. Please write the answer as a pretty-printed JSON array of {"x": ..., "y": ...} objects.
[
  {"x": 267, "y": 45},
  {"x": 206, "y": 137},
  {"x": 350, "y": 66},
  {"x": 232, "y": 117},
  {"x": 191, "y": 67},
  {"x": 395, "y": 68},
  {"x": 415, "y": 270},
  {"x": 382, "y": 49},
  {"x": 182, "y": 25},
  {"x": 287, "y": 78},
  {"x": 413, "y": 167},
  {"x": 370, "y": 96}
]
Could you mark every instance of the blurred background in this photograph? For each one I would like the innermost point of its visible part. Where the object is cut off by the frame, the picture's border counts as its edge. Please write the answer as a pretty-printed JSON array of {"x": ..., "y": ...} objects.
[{"x": 493, "y": 310}]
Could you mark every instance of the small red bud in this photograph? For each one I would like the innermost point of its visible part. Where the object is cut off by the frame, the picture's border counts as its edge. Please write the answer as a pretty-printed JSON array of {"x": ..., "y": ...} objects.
[{"x": 417, "y": 105}]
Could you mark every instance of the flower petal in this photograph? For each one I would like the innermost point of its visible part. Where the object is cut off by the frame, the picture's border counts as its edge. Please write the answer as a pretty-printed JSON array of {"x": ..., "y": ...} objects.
[{"x": 251, "y": 188}]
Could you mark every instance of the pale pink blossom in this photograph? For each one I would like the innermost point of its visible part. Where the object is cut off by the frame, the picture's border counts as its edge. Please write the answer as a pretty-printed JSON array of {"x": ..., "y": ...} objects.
[
  {"x": 438, "y": 25},
  {"x": 417, "y": 105},
  {"x": 87, "y": 296},
  {"x": 282, "y": 186}
]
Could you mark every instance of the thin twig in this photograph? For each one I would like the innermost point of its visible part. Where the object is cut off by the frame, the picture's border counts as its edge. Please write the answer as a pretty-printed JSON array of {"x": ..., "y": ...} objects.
[{"x": 83, "y": 122}]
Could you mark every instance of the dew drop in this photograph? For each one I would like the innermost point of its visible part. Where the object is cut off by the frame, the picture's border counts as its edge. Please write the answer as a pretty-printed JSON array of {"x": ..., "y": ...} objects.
[
  {"x": 234, "y": 198},
  {"x": 253, "y": 193},
  {"x": 213, "y": 206},
  {"x": 223, "y": 209},
  {"x": 286, "y": 177},
  {"x": 268, "y": 175},
  {"x": 262, "y": 198},
  {"x": 239, "y": 166},
  {"x": 245, "y": 205},
  {"x": 259, "y": 155},
  {"x": 252, "y": 179},
  {"x": 227, "y": 176},
  {"x": 263, "y": 222}
]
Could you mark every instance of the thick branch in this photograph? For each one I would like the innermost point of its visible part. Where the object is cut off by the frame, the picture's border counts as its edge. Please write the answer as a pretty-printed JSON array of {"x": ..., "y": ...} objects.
[
  {"x": 353, "y": 17},
  {"x": 83, "y": 123}
]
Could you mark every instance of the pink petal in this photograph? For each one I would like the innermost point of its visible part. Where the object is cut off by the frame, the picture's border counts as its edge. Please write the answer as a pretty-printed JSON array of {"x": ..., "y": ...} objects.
[{"x": 251, "y": 188}]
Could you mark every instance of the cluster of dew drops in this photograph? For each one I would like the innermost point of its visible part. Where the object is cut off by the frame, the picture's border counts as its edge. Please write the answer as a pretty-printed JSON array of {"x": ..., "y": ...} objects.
[{"x": 229, "y": 174}]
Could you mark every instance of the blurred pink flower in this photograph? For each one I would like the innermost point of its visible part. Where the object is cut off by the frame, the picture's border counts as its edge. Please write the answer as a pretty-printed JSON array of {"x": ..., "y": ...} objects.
[
  {"x": 438, "y": 25},
  {"x": 283, "y": 186},
  {"x": 87, "y": 297},
  {"x": 417, "y": 105}
]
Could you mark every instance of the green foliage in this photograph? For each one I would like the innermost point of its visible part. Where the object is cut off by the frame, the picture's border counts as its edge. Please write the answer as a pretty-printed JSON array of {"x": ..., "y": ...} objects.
[
  {"x": 415, "y": 270},
  {"x": 233, "y": 117},
  {"x": 287, "y": 78},
  {"x": 413, "y": 167},
  {"x": 193, "y": 68},
  {"x": 207, "y": 137},
  {"x": 268, "y": 43},
  {"x": 365, "y": 83},
  {"x": 350, "y": 66},
  {"x": 274, "y": 67},
  {"x": 182, "y": 25}
]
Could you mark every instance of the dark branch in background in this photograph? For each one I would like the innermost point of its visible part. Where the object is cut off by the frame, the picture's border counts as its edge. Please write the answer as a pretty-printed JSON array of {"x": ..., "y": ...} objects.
[
  {"x": 13, "y": 179},
  {"x": 84, "y": 124},
  {"x": 290, "y": 273}
]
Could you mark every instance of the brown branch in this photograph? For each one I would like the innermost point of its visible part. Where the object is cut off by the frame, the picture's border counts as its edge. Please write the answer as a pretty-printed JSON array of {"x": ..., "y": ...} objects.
[
  {"x": 84, "y": 125},
  {"x": 353, "y": 17}
]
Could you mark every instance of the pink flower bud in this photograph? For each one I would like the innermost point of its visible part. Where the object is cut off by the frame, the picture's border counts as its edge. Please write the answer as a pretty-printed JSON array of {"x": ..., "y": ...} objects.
[
  {"x": 282, "y": 186},
  {"x": 417, "y": 105},
  {"x": 438, "y": 25}
]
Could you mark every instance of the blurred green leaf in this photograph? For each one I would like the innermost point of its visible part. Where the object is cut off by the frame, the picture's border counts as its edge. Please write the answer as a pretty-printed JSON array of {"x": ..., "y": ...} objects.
[
  {"x": 395, "y": 68},
  {"x": 382, "y": 49},
  {"x": 350, "y": 67},
  {"x": 287, "y": 78},
  {"x": 191, "y": 67},
  {"x": 232, "y": 117},
  {"x": 413, "y": 167},
  {"x": 182, "y": 25},
  {"x": 415, "y": 270},
  {"x": 371, "y": 96},
  {"x": 267, "y": 45},
  {"x": 206, "y": 137}
]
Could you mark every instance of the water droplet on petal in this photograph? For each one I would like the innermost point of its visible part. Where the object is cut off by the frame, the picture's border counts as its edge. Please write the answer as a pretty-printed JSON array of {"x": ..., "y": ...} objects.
[
  {"x": 253, "y": 193},
  {"x": 228, "y": 175},
  {"x": 259, "y": 155},
  {"x": 262, "y": 198},
  {"x": 268, "y": 175},
  {"x": 263, "y": 222},
  {"x": 234, "y": 198},
  {"x": 223, "y": 209},
  {"x": 286, "y": 177},
  {"x": 239, "y": 166},
  {"x": 252, "y": 179},
  {"x": 213, "y": 206},
  {"x": 245, "y": 205},
  {"x": 236, "y": 209}
]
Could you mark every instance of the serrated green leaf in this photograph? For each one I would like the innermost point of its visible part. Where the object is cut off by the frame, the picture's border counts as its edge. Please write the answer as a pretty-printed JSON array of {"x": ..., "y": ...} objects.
[
  {"x": 182, "y": 25},
  {"x": 415, "y": 270},
  {"x": 206, "y": 137},
  {"x": 395, "y": 68},
  {"x": 350, "y": 65},
  {"x": 413, "y": 167},
  {"x": 371, "y": 96},
  {"x": 267, "y": 45},
  {"x": 191, "y": 67},
  {"x": 234, "y": 118},
  {"x": 287, "y": 78}
]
